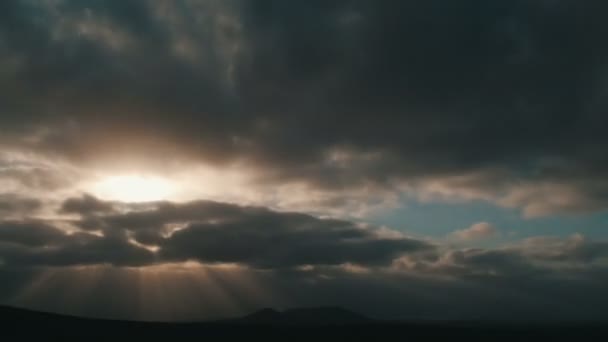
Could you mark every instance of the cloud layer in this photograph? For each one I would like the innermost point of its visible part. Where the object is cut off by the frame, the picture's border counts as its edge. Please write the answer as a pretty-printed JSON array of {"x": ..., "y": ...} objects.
[
  {"x": 166, "y": 252},
  {"x": 335, "y": 95},
  {"x": 208, "y": 232},
  {"x": 289, "y": 122}
]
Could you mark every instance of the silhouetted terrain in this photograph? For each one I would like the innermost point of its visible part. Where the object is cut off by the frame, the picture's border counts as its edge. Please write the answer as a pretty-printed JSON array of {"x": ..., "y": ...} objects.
[
  {"x": 302, "y": 316},
  {"x": 294, "y": 324}
]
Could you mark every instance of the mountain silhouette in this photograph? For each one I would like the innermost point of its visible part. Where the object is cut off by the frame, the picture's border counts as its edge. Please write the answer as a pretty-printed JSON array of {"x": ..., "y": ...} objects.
[
  {"x": 300, "y": 324},
  {"x": 266, "y": 315},
  {"x": 304, "y": 316}
]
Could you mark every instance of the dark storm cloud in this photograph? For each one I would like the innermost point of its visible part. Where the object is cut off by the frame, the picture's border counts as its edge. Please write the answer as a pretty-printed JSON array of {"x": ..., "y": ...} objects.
[
  {"x": 493, "y": 100},
  {"x": 300, "y": 259},
  {"x": 335, "y": 94},
  {"x": 71, "y": 57},
  {"x": 212, "y": 232},
  {"x": 30, "y": 234},
  {"x": 114, "y": 250},
  {"x": 204, "y": 231},
  {"x": 266, "y": 244},
  {"x": 78, "y": 250},
  {"x": 86, "y": 205},
  {"x": 11, "y": 204},
  {"x": 259, "y": 238},
  {"x": 39, "y": 243},
  {"x": 444, "y": 86}
]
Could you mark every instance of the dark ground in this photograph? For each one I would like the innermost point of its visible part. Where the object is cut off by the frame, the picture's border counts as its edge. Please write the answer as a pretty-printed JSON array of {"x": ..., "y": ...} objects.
[{"x": 299, "y": 324}]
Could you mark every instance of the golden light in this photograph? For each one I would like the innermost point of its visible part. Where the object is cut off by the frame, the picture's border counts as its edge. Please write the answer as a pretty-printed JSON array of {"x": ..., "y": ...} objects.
[{"x": 134, "y": 188}]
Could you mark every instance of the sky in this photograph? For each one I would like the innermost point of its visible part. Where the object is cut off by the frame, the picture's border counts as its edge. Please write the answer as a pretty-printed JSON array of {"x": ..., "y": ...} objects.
[{"x": 415, "y": 159}]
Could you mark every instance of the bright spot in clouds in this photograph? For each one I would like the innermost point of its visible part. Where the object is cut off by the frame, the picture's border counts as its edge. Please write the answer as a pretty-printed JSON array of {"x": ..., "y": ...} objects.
[{"x": 134, "y": 188}]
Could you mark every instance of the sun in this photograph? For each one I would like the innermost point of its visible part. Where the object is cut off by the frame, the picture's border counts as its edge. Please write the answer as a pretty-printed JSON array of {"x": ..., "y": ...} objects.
[{"x": 134, "y": 188}]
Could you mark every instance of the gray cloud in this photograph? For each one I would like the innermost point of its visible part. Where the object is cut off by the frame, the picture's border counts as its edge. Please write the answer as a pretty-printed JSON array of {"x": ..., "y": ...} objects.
[
  {"x": 204, "y": 231},
  {"x": 11, "y": 205},
  {"x": 78, "y": 250},
  {"x": 476, "y": 100},
  {"x": 217, "y": 233},
  {"x": 370, "y": 94},
  {"x": 480, "y": 230},
  {"x": 262, "y": 243},
  {"x": 574, "y": 250},
  {"x": 532, "y": 257},
  {"x": 297, "y": 258},
  {"x": 31, "y": 234},
  {"x": 86, "y": 205},
  {"x": 18, "y": 174},
  {"x": 39, "y": 243}
]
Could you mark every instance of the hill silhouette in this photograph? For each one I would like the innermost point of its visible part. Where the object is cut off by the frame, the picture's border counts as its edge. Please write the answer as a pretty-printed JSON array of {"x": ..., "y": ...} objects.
[
  {"x": 303, "y": 316},
  {"x": 293, "y": 324}
]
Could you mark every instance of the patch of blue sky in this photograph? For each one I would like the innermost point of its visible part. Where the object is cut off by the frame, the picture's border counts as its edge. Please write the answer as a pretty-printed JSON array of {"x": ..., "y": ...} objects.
[{"x": 439, "y": 219}]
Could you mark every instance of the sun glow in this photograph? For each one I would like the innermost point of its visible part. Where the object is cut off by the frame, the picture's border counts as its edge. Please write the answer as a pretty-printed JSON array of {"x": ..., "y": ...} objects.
[{"x": 134, "y": 188}]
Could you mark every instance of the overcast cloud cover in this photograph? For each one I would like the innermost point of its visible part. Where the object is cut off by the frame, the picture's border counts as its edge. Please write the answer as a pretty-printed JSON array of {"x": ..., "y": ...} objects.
[{"x": 289, "y": 122}]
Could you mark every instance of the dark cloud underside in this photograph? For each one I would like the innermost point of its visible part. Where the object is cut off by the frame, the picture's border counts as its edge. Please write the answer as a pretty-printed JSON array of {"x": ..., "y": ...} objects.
[
  {"x": 403, "y": 89},
  {"x": 299, "y": 259},
  {"x": 203, "y": 231}
]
